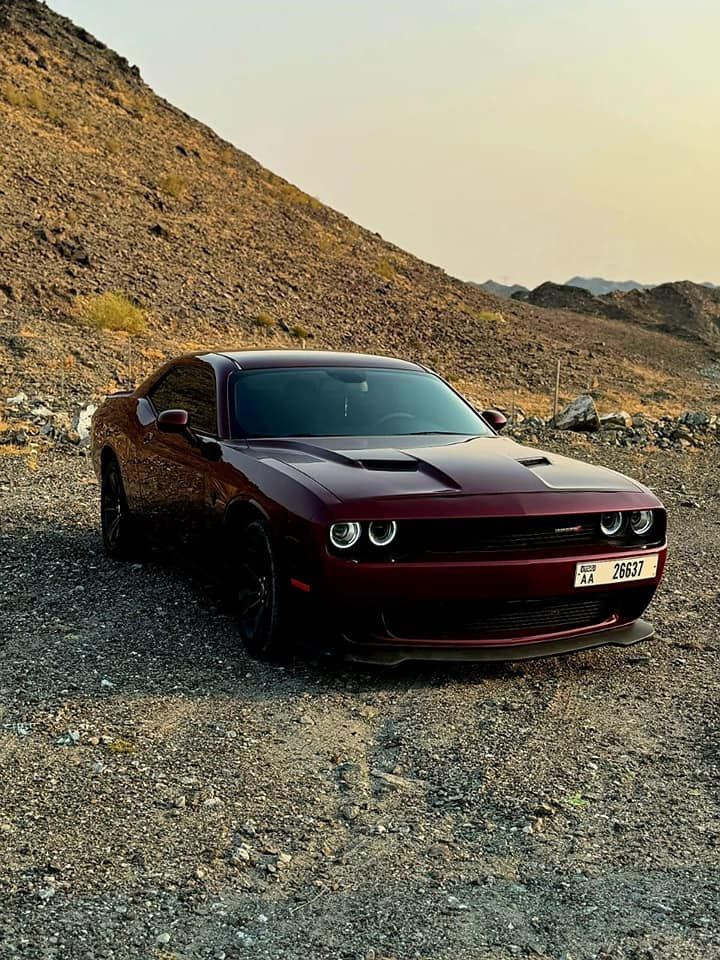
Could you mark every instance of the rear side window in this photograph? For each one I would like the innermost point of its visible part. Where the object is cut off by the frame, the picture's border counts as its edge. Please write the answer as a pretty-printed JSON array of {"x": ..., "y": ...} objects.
[{"x": 189, "y": 388}]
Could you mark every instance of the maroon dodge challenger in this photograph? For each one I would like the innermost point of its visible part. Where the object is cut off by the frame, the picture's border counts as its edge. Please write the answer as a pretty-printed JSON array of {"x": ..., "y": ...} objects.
[{"x": 361, "y": 501}]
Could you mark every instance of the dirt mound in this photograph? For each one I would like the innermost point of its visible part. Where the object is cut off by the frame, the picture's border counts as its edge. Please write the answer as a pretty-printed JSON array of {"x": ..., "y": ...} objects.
[{"x": 119, "y": 211}]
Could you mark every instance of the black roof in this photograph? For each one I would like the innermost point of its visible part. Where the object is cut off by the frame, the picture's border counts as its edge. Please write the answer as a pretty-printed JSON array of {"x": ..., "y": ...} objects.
[{"x": 253, "y": 359}]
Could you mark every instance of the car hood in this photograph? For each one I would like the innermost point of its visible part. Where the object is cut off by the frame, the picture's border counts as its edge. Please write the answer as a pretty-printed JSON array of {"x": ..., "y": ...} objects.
[{"x": 383, "y": 467}]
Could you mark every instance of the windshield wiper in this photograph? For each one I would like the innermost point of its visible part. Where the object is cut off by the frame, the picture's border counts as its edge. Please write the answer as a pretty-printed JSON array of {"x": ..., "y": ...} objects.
[{"x": 434, "y": 433}]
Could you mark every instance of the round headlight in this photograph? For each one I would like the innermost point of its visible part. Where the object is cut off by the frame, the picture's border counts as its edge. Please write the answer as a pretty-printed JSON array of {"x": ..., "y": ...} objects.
[
  {"x": 611, "y": 523},
  {"x": 345, "y": 535},
  {"x": 641, "y": 521},
  {"x": 382, "y": 532}
]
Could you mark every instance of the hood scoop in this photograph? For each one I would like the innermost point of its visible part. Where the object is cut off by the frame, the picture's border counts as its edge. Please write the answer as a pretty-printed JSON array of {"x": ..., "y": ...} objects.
[
  {"x": 390, "y": 460},
  {"x": 531, "y": 462},
  {"x": 395, "y": 466}
]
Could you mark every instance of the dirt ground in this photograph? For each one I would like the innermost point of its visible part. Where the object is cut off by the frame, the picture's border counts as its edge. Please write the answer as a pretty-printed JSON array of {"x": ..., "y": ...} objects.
[{"x": 163, "y": 796}]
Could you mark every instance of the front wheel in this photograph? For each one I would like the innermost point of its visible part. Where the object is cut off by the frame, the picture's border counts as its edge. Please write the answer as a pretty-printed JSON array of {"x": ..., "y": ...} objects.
[
  {"x": 118, "y": 530},
  {"x": 259, "y": 594}
]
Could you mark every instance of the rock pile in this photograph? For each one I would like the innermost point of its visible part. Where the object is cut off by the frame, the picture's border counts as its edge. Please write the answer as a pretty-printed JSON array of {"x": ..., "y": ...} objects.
[
  {"x": 25, "y": 419},
  {"x": 690, "y": 429}
]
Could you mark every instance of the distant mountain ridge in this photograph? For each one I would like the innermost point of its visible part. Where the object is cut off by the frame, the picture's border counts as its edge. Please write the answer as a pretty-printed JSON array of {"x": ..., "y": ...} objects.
[
  {"x": 502, "y": 289},
  {"x": 598, "y": 286}
]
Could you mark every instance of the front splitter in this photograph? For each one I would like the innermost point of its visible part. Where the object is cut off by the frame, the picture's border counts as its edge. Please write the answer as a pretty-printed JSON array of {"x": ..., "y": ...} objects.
[{"x": 395, "y": 652}]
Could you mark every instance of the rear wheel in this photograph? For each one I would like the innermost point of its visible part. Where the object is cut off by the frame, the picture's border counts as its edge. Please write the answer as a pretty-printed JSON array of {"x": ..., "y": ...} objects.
[
  {"x": 119, "y": 534},
  {"x": 259, "y": 593}
]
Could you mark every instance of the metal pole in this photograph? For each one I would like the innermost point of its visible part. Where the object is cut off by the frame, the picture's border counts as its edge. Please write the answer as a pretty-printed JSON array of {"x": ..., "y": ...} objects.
[{"x": 514, "y": 395}]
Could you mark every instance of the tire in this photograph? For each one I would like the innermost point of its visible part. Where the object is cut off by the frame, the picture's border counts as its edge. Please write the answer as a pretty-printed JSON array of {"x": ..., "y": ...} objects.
[
  {"x": 259, "y": 596},
  {"x": 119, "y": 533}
]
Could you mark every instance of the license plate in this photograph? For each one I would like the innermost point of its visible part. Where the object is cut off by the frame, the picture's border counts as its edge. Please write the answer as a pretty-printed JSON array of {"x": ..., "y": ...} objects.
[{"x": 590, "y": 574}]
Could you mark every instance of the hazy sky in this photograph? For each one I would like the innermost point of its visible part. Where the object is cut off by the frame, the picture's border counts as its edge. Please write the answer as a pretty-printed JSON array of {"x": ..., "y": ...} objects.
[{"x": 516, "y": 139}]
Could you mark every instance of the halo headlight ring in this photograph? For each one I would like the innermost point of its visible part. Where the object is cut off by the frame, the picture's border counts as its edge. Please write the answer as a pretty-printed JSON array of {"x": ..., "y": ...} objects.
[
  {"x": 345, "y": 534},
  {"x": 612, "y": 523},
  {"x": 641, "y": 522},
  {"x": 381, "y": 533}
]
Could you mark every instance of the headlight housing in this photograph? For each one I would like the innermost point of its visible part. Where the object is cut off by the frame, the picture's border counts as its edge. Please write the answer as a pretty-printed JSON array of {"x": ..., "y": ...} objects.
[
  {"x": 382, "y": 532},
  {"x": 641, "y": 521},
  {"x": 611, "y": 523},
  {"x": 345, "y": 534}
]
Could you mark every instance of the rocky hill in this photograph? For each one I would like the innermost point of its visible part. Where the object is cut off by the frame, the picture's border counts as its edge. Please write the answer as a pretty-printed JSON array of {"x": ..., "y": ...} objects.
[
  {"x": 560, "y": 296},
  {"x": 684, "y": 309},
  {"x": 689, "y": 311},
  {"x": 117, "y": 210}
]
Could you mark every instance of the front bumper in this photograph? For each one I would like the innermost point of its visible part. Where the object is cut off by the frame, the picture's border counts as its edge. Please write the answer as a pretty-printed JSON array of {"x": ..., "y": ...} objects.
[
  {"x": 500, "y": 608},
  {"x": 379, "y": 652}
]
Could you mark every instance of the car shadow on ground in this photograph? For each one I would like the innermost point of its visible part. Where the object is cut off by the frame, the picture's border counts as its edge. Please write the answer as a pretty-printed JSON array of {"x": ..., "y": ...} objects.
[{"x": 75, "y": 621}]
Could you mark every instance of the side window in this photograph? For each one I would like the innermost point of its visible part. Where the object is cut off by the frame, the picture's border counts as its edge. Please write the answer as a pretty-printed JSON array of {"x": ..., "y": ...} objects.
[{"x": 190, "y": 388}]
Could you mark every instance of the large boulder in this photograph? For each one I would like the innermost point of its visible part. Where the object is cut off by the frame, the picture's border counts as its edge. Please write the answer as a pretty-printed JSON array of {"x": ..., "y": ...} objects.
[{"x": 581, "y": 414}]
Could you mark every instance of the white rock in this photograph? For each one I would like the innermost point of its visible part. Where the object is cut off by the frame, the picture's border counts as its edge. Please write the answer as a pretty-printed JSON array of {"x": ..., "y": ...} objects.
[
  {"x": 617, "y": 420},
  {"x": 83, "y": 422}
]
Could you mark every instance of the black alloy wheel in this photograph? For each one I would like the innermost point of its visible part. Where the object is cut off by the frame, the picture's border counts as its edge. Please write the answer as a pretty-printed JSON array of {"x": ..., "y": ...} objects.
[
  {"x": 118, "y": 533},
  {"x": 259, "y": 594}
]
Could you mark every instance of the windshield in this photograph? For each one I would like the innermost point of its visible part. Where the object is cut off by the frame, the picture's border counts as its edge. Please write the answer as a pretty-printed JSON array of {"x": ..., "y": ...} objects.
[{"x": 348, "y": 402}]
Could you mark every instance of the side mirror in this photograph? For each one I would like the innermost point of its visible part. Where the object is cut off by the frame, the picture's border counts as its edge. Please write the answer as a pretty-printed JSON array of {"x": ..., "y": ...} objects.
[
  {"x": 497, "y": 420},
  {"x": 173, "y": 421}
]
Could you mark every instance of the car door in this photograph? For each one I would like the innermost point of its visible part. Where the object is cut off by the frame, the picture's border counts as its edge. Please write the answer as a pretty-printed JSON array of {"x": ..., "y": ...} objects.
[{"x": 176, "y": 471}]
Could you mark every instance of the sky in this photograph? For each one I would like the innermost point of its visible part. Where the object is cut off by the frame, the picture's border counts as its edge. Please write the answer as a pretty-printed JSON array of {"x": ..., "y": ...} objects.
[{"x": 523, "y": 140}]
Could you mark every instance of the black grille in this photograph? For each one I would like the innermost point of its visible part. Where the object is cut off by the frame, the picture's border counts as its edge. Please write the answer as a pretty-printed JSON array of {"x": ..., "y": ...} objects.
[
  {"x": 506, "y": 619},
  {"x": 499, "y": 618},
  {"x": 430, "y": 538}
]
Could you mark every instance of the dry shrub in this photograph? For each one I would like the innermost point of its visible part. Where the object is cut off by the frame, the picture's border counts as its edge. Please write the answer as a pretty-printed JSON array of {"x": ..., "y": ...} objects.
[
  {"x": 133, "y": 103},
  {"x": 173, "y": 184},
  {"x": 32, "y": 99},
  {"x": 490, "y": 316},
  {"x": 299, "y": 332},
  {"x": 385, "y": 270},
  {"x": 292, "y": 194},
  {"x": 111, "y": 311},
  {"x": 13, "y": 96}
]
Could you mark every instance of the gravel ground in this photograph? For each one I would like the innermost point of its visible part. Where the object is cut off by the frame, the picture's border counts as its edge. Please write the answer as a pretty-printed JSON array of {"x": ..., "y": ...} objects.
[{"x": 164, "y": 796}]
